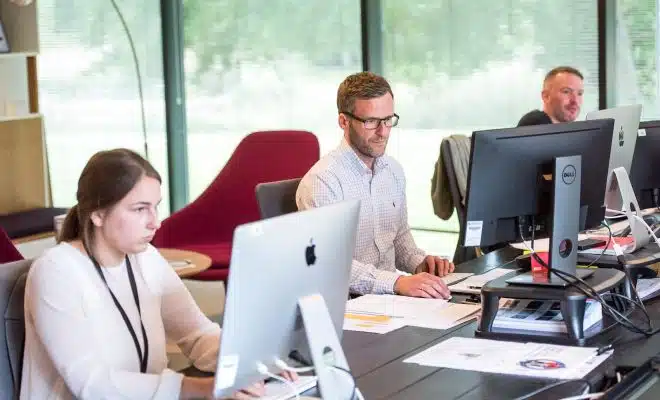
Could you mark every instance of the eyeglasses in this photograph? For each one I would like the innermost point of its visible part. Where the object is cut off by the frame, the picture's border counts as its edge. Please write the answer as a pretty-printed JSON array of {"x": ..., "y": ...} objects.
[{"x": 374, "y": 123}]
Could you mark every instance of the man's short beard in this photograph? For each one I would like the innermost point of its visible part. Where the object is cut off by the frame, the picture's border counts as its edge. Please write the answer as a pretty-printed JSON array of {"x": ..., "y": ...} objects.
[{"x": 354, "y": 139}]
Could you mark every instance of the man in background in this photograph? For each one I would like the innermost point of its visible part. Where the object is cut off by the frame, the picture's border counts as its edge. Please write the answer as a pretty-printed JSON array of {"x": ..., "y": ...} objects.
[{"x": 563, "y": 88}]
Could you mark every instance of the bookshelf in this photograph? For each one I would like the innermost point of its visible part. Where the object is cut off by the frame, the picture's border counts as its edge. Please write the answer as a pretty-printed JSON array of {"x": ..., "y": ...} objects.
[{"x": 23, "y": 166}]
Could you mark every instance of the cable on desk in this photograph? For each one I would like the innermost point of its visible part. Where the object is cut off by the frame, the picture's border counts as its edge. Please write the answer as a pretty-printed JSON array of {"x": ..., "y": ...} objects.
[
  {"x": 648, "y": 228},
  {"x": 356, "y": 392},
  {"x": 552, "y": 386},
  {"x": 263, "y": 369},
  {"x": 587, "y": 396},
  {"x": 607, "y": 245},
  {"x": 590, "y": 292}
]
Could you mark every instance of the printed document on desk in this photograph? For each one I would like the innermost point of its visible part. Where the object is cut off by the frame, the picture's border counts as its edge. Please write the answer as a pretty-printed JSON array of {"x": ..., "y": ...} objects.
[
  {"x": 511, "y": 358},
  {"x": 366, "y": 322},
  {"x": 540, "y": 315},
  {"x": 474, "y": 283},
  {"x": 428, "y": 313},
  {"x": 648, "y": 288}
]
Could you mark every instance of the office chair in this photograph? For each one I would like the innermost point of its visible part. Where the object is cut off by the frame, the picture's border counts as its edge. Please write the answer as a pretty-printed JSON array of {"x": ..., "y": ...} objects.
[
  {"x": 207, "y": 224},
  {"x": 277, "y": 198},
  {"x": 8, "y": 251},
  {"x": 12, "y": 332}
]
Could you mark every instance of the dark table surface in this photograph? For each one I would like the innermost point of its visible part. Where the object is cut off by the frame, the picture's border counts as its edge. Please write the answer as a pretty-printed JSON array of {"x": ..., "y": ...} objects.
[{"x": 377, "y": 360}]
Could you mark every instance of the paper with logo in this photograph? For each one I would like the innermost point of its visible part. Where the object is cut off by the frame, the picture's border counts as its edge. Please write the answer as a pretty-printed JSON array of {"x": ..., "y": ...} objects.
[
  {"x": 511, "y": 358},
  {"x": 413, "y": 311}
]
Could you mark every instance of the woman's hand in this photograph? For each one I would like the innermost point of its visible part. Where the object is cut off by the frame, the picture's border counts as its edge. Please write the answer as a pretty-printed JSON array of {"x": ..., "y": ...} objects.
[
  {"x": 202, "y": 388},
  {"x": 259, "y": 389}
]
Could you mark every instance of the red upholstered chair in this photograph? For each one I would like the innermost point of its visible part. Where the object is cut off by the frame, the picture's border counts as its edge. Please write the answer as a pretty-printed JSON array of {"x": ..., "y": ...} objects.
[
  {"x": 207, "y": 224},
  {"x": 8, "y": 252}
]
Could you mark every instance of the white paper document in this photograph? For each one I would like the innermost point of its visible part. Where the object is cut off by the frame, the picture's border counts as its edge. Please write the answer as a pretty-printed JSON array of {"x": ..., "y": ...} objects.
[
  {"x": 474, "y": 283},
  {"x": 396, "y": 310},
  {"x": 363, "y": 322},
  {"x": 540, "y": 315},
  {"x": 648, "y": 288},
  {"x": 511, "y": 358}
]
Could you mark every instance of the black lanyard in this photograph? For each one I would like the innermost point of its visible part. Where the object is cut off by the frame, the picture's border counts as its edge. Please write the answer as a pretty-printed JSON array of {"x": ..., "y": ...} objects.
[{"x": 144, "y": 358}]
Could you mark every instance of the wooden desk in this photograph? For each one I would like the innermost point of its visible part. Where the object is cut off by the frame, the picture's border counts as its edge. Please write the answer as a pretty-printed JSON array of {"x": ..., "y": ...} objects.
[{"x": 191, "y": 262}]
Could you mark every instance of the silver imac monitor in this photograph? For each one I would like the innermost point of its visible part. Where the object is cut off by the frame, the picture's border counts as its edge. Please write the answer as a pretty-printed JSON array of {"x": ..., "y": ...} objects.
[
  {"x": 274, "y": 263},
  {"x": 624, "y": 138}
]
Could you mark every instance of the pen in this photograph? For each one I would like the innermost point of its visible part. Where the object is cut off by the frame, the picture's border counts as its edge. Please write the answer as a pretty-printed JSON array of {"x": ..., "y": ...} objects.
[{"x": 474, "y": 287}]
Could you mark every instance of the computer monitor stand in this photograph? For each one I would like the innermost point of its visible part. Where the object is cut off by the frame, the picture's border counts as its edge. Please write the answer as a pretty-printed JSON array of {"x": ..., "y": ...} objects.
[
  {"x": 564, "y": 225},
  {"x": 562, "y": 256},
  {"x": 620, "y": 196},
  {"x": 325, "y": 349}
]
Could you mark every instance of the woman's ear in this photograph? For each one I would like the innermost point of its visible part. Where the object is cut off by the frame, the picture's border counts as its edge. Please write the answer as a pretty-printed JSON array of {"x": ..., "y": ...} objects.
[{"x": 97, "y": 218}]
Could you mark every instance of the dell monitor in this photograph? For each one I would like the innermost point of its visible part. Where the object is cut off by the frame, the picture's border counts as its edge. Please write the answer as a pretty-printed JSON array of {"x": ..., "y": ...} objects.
[
  {"x": 645, "y": 170},
  {"x": 511, "y": 180},
  {"x": 274, "y": 264}
]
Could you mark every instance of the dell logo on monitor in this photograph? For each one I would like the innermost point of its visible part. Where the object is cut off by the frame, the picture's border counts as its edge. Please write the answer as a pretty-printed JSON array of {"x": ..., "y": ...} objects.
[
  {"x": 310, "y": 256},
  {"x": 568, "y": 174}
]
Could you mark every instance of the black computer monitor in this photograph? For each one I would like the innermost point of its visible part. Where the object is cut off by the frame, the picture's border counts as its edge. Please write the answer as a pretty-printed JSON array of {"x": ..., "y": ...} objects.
[
  {"x": 645, "y": 169},
  {"x": 510, "y": 178}
]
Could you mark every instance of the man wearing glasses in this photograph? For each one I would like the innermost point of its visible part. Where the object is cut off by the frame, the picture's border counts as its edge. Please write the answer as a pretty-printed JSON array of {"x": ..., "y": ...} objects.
[{"x": 359, "y": 169}]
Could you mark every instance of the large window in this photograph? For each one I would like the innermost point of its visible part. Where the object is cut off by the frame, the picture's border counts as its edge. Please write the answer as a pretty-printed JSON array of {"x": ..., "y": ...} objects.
[
  {"x": 637, "y": 54},
  {"x": 261, "y": 65},
  {"x": 457, "y": 66},
  {"x": 89, "y": 89}
]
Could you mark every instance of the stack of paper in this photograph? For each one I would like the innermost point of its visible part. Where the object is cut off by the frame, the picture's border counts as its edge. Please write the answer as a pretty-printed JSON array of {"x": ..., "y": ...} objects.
[
  {"x": 383, "y": 313},
  {"x": 540, "y": 315},
  {"x": 511, "y": 358},
  {"x": 648, "y": 288},
  {"x": 474, "y": 283}
]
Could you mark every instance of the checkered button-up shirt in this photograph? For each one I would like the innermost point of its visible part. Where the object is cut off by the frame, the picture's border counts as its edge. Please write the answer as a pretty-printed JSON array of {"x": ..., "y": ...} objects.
[{"x": 384, "y": 242}]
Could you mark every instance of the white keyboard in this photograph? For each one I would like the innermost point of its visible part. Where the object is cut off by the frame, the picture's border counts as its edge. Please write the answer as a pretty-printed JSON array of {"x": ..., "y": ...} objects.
[{"x": 276, "y": 390}]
